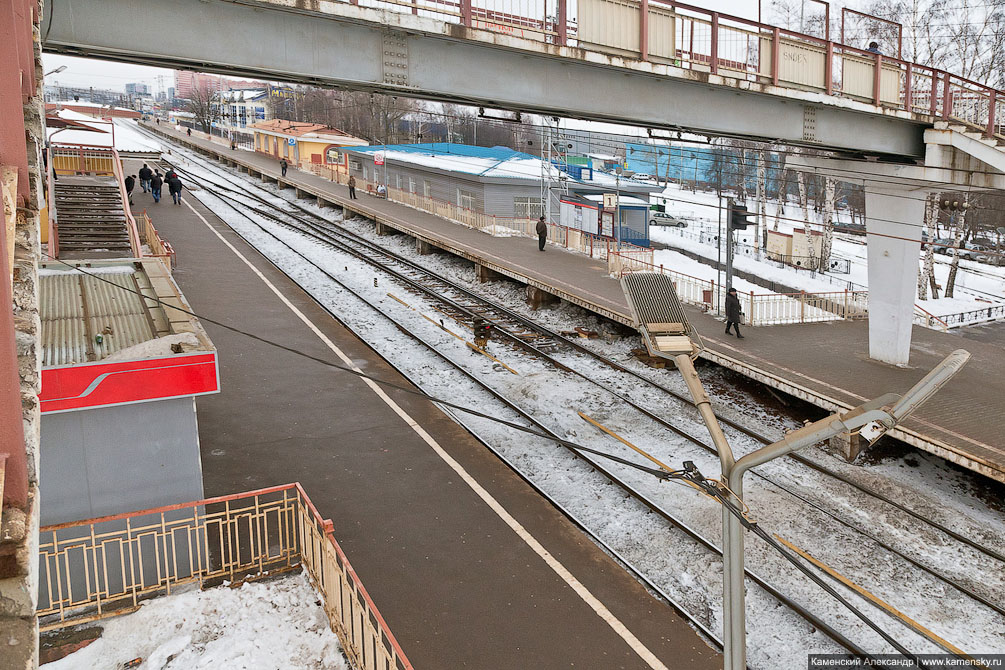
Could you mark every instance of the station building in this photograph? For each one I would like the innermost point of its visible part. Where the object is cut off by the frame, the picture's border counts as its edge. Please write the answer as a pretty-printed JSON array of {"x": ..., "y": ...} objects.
[
  {"x": 303, "y": 144},
  {"x": 496, "y": 181}
]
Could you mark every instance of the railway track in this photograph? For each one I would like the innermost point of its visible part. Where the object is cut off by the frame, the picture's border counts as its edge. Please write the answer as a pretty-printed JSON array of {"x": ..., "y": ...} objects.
[{"x": 459, "y": 303}]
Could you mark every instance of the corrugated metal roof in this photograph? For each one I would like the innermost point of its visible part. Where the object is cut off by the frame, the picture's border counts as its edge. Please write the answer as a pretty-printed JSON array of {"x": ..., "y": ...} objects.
[{"x": 75, "y": 308}]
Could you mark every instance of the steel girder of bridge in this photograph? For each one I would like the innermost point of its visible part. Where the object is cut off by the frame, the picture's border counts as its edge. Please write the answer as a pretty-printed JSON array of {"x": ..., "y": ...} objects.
[{"x": 340, "y": 44}]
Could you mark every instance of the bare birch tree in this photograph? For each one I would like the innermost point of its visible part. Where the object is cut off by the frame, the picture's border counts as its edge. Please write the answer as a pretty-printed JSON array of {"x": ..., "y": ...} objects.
[
  {"x": 959, "y": 222},
  {"x": 927, "y": 277}
]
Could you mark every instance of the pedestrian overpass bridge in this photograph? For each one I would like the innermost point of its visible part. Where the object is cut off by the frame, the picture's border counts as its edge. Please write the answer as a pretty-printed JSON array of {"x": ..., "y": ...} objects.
[{"x": 900, "y": 128}]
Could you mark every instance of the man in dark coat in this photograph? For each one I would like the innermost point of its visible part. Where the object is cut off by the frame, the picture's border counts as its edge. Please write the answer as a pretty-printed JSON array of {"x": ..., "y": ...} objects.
[
  {"x": 733, "y": 312},
  {"x": 283, "y": 166},
  {"x": 352, "y": 187},
  {"x": 130, "y": 183},
  {"x": 145, "y": 174},
  {"x": 542, "y": 233},
  {"x": 174, "y": 188},
  {"x": 156, "y": 182}
]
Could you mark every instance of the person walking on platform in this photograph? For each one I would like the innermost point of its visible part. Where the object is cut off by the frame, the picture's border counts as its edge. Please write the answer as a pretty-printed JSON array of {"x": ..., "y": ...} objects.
[
  {"x": 233, "y": 144},
  {"x": 145, "y": 175},
  {"x": 190, "y": 132},
  {"x": 352, "y": 187},
  {"x": 733, "y": 313},
  {"x": 130, "y": 183},
  {"x": 542, "y": 233},
  {"x": 283, "y": 166},
  {"x": 156, "y": 182},
  {"x": 174, "y": 187}
]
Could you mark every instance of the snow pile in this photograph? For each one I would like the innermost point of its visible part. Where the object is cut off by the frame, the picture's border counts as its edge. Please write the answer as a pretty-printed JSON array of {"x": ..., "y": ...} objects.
[
  {"x": 156, "y": 348},
  {"x": 259, "y": 626},
  {"x": 99, "y": 270}
]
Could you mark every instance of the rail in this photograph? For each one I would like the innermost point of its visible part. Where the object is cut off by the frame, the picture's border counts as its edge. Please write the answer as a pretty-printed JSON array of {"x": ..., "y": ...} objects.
[
  {"x": 134, "y": 235},
  {"x": 159, "y": 247},
  {"x": 923, "y": 317},
  {"x": 693, "y": 38},
  {"x": 93, "y": 569}
]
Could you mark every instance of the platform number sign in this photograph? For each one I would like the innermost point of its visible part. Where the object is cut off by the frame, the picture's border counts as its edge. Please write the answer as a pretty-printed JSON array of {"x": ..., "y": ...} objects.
[{"x": 378, "y": 158}]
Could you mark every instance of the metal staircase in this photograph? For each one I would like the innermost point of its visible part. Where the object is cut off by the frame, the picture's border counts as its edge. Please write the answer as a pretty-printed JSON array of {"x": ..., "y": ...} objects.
[{"x": 89, "y": 210}]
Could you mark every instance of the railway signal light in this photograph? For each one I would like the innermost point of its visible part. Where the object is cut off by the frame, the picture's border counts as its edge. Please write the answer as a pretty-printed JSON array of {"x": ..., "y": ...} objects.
[{"x": 738, "y": 217}]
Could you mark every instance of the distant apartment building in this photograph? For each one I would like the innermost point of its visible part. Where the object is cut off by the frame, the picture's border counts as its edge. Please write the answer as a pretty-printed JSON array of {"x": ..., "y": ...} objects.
[
  {"x": 137, "y": 89},
  {"x": 186, "y": 82}
]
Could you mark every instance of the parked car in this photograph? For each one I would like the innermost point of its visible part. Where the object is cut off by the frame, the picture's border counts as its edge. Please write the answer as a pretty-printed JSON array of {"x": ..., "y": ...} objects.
[
  {"x": 642, "y": 176},
  {"x": 664, "y": 219},
  {"x": 943, "y": 245},
  {"x": 975, "y": 252}
]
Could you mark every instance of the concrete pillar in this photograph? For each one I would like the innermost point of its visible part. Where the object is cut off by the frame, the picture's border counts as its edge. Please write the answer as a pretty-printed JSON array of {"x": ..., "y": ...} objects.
[
  {"x": 486, "y": 274},
  {"x": 893, "y": 223},
  {"x": 848, "y": 445},
  {"x": 538, "y": 298},
  {"x": 383, "y": 228},
  {"x": 422, "y": 247},
  {"x": 298, "y": 193}
]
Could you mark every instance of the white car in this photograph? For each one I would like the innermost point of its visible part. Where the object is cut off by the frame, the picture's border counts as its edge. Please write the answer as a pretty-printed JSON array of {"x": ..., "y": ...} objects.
[
  {"x": 642, "y": 176},
  {"x": 664, "y": 219}
]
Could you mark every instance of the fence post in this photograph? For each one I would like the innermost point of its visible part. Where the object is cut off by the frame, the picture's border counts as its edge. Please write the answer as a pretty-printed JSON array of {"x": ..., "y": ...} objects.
[
  {"x": 563, "y": 21},
  {"x": 466, "y": 13},
  {"x": 846, "y": 303},
  {"x": 644, "y": 30},
  {"x": 751, "y": 321},
  {"x": 947, "y": 96},
  {"x": 991, "y": 113},
  {"x": 802, "y": 307},
  {"x": 909, "y": 87},
  {"x": 829, "y": 69},
  {"x": 776, "y": 52},
  {"x": 876, "y": 79},
  {"x": 715, "y": 43}
]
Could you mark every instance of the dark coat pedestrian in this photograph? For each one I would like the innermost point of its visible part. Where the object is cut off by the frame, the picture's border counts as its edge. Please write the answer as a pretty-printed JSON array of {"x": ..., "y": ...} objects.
[
  {"x": 352, "y": 187},
  {"x": 190, "y": 132},
  {"x": 733, "y": 313},
  {"x": 145, "y": 174},
  {"x": 542, "y": 233},
  {"x": 130, "y": 183},
  {"x": 174, "y": 188},
  {"x": 283, "y": 166},
  {"x": 156, "y": 182},
  {"x": 874, "y": 48}
]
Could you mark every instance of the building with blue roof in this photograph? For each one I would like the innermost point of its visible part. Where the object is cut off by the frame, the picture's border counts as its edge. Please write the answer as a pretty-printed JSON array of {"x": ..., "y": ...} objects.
[{"x": 492, "y": 180}]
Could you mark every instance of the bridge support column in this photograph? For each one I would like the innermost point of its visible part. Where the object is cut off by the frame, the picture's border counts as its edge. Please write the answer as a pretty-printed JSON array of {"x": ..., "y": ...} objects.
[
  {"x": 485, "y": 274},
  {"x": 893, "y": 223},
  {"x": 422, "y": 247},
  {"x": 383, "y": 229},
  {"x": 538, "y": 298}
]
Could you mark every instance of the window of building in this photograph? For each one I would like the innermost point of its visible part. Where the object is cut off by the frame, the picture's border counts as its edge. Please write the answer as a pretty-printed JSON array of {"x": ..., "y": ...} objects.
[
  {"x": 411, "y": 185},
  {"x": 397, "y": 181},
  {"x": 427, "y": 188},
  {"x": 364, "y": 172},
  {"x": 355, "y": 165},
  {"x": 465, "y": 199},
  {"x": 527, "y": 207}
]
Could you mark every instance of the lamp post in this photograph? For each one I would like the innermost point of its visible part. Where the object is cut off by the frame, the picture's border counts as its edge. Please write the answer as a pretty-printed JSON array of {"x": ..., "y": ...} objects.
[
  {"x": 56, "y": 71},
  {"x": 662, "y": 323}
]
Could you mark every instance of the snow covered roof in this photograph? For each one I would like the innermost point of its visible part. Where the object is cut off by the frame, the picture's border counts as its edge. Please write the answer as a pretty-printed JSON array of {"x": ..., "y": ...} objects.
[
  {"x": 495, "y": 162},
  {"x": 318, "y": 131},
  {"x": 92, "y": 109},
  {"x": 83, "y": 129}
]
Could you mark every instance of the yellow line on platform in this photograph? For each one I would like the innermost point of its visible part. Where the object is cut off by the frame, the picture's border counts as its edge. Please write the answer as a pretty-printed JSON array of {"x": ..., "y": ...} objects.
[{"x": 882, "y": 604}]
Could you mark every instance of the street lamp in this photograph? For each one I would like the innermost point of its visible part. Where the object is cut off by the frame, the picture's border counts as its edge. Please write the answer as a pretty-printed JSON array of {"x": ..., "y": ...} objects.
[
  {"x": 56, "y": 71},
  {"x": 662, "y": 323}
]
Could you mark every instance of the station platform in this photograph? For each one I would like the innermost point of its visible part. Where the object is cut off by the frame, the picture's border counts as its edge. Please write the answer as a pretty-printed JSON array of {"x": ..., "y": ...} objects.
[
  {"x": 826, "y": 364},
  {"x": 457, "y": 583}
]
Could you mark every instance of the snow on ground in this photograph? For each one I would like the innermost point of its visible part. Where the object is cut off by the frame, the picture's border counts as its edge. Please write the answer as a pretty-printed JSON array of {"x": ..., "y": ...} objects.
[
  {"x": 274, "y": 625},
  {"x": 690, "y": 574},
  {"x": 979, "y": 285}
]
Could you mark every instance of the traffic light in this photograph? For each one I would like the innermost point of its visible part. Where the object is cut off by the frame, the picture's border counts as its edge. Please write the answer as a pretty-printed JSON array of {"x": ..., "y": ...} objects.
[{"x": 738, "y": 217}]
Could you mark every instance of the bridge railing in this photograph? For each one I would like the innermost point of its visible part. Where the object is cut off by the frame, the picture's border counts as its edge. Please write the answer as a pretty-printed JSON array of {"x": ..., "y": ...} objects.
[
  {"x": 695, "y": 38},
  {"x": 103, "y": 567}
]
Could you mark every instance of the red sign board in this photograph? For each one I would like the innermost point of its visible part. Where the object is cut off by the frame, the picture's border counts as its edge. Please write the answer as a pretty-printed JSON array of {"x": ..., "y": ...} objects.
[
  {"x": 83, "y": 386},
  {"x": 378, "y": 158}
]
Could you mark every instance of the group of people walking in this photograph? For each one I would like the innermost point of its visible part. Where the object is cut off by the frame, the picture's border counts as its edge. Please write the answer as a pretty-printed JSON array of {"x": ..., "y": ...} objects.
[{"x": 152, "y": 181}]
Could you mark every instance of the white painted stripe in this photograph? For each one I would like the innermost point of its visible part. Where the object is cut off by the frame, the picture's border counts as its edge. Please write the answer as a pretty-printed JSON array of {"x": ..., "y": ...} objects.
[{"x": 637, "y": 646}]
